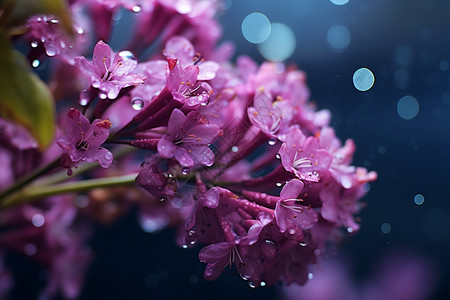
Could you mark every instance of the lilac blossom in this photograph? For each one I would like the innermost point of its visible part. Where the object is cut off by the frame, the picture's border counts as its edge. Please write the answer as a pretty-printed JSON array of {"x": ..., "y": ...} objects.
[
  {"x": 187, "y": 139},
  {"x": 83, "y": 140},
  {"x": 110, "y": 72}
]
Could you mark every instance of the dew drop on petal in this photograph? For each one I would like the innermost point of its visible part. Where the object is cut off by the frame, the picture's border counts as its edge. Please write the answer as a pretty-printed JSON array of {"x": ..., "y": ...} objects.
[
  {"x": 278, "y": 156},
  {"x": 83, "y": 98},
  {"x": 38, "y": 220},
  {"x": 363, "y": 79},
  {"x": 185, "y": 171},
  {"x": 34, "y": 44},
  {"x": 262, "y": 283},
  {"x": 137, "y": 103},
  {"x": 272, "y": 141},
  {"x": 303, "y": 244},
  {"x": 310, "y": 276},
  {"x": 127, "y": 55},
  {"x": 419, "y": 199},
  {"x": 256, "y": 28},
  {"x": 54, "y": 21},
  {"x": 292, "y": 231},
  {"x": 35, "y": 63},
  {"x": 252, "y": 285},
  {"x": 50, "y": 50},
  {"x": 102, "y": 95},
  {"x": 235, "y": 149},
  {"x": 408, "y": 107},
  {"x": 185, "y": 246},
  {"x": 108, "y": 155},
  {"x": 349, "y": 229}
]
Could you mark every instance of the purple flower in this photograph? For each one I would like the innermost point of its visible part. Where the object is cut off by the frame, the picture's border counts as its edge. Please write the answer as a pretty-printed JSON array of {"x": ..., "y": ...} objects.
[
  {"x": 291, "y": 216},
  {"x": 187, "y": 139},
  {"x": 110, "y": 72},
  {"x": 82, "y": 141},
  {"x": 265, "y": 114},
  {"x": 302, "y": 156},
  {"x": 183, "y": 84}
]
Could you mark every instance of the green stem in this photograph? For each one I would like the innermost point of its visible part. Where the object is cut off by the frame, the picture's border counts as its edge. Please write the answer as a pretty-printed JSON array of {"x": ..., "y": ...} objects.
[
  {"x": 29, "y": 178},
  {"x": 38, "y": 191}
]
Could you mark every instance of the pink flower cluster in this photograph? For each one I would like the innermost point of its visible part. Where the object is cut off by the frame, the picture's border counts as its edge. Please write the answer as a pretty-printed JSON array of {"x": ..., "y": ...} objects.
[{"x": 235, "y": 155}]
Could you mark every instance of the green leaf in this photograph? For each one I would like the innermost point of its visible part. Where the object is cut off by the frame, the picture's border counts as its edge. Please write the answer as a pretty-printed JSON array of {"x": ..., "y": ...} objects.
[
  {"x": 24, "y": 97},
  {"x": 14, "y": 13}
]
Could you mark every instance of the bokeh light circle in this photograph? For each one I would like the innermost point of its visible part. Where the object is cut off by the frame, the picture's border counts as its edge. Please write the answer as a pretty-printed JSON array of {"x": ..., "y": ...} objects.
[
  {"x": 338, "y": 37},
  {"x": 363, "y": 79},
  {"x": 408, "y": 107},
  {"x": 280, "y": 45},
  {"x": 339, "y": 2},
  {"x": 256, "y": 28}
]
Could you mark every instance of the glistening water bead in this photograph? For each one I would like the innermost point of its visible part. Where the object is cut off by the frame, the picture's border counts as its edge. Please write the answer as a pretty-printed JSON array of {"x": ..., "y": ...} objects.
[{"x": 137, "y": 103}]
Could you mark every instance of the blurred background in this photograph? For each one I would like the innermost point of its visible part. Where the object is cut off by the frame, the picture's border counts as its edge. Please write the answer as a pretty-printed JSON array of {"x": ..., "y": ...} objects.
[{"x": 397, "y": 110}]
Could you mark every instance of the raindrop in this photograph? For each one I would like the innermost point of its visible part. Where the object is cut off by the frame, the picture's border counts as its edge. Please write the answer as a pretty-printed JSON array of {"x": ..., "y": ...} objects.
[
  {"x": 339, "y": 37},
  {"x": 136, "y": 9},
  {"x": 252, "y": 285},
  {"x": 310, "y": 276},
  {"x": 363, "y": 79},
  {"x": 235, "y": 149},
  {"x": 38, "y": 220},
  {"x": 419, "y": 199},
  {"x": 34, "y": 44},
  {"x": 108, "y": 155},
  {"x": 272, "y": 141},
  {"x": 50, "y": 50},
  {"x": 262, "y": 283},
  {"x": 35, "y": 63},
  {"x": 185, "y": 246},
  {"x": 339, "y": 2},
  {"x": 54, "y": 21},
  {"x": 269, "y": 248},
  {"x": 303, "y": 244},
  {"x": 192, "y": 242},
  {"x": 185, "y": 171},
  {"x": 83, "y": 98},
  {"x": 292, "y": 231},
  {"x": 256, "y": 28},
  {"x": 102, "y": 95},
  {"x": 386, "y": 228},
  {"x": 137, "y": 103},
  {"x": 162, "y": 199},
  {"x": 170, "y": 175},
  {"x": 278, "y": 156},
  {"x": 127, "y": 55},
  {"x": 349, "y": 230},
  {"x": 278, "y": 184},
  {"x": 280, "y": 45}
]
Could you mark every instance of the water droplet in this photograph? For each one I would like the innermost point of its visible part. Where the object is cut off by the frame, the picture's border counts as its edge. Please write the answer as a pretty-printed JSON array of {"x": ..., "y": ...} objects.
[
  {"x": 292, "y": 231},
  {"x": 204, "y": 103},
  {"x": 185, "y": 246},
  {"x": 234, "y": 149},
  {"x": 363, "y": 79},
  {"x": 339, "y": 2},
  {"x": 38, "y": 220},
  {"x": 137, "y": 103},
  {"x": 262, "y": 283},
  {"x": 208, "y": 272},
  {"x": 80, "y": 31},
  {"x": 278, "y": 184},
  {"x": 251, "y": 284},
  {"x": 102, "y": 95},
  {"x": 34, "y": 44},
  {"x": 272, "y": 141},
  {"x": 310, "y": 276},
  {"x": 419, "y": 199},
  {"x": 170, "y": 175},
  {"x": 185, "y": 171},
  {"x": 136, "y": 9},
  {"x": 349, "y": 230},
  {"x": 303, "y": 244},
  {"x": 30, "y": 249},
  {"x": 127, "y": 55},
  {"x": 192, "y": 242},
  {"x": 108, "y": 155},
  {"x": 278, "y": 156},
  {"x": 83, "y": 98},
  {"x": 35, "y": 63},
  {"x": 54, "y": 21},
  {"x": 162, "y": 199},
  {"x": 50, "y": 50}
]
